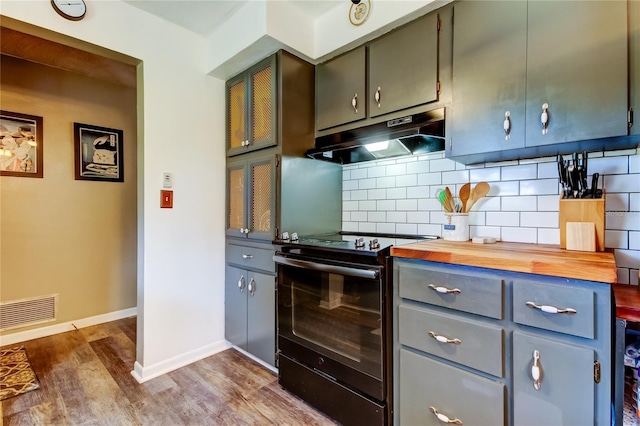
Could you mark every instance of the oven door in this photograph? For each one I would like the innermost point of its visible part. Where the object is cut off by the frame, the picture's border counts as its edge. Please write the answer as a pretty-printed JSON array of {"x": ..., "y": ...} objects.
[{"x": 330, "y": 318}]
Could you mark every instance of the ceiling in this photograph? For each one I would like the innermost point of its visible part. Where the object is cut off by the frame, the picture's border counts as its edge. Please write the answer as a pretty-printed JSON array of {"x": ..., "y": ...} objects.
[{"x": 204, "y": 16}]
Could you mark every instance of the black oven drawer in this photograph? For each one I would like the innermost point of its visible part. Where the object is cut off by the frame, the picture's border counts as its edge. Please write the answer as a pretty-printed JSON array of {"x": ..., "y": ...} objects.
[{"x": 330, "y": 397}]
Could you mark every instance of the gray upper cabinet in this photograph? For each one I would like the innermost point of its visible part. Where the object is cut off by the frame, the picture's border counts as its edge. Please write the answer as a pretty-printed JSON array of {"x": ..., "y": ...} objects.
[
  {"x": 403, "y": 67},
  {"x": 402, "y": 73},
  {"x": 577, "y": 66},
  {"x": 515, "y": 63},
  {"x": 489, "y": 76},
  {"x": 341, "y": 90}
]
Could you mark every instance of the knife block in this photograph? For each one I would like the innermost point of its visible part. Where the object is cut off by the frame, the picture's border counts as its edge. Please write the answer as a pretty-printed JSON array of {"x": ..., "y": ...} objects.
[{"x": 585, "y": 211}]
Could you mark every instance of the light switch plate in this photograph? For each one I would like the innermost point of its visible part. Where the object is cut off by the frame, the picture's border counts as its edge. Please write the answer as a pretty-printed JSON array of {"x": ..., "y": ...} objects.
[
  {"x": 166, "y": 199},
  {"x": 167, "y": 180}
]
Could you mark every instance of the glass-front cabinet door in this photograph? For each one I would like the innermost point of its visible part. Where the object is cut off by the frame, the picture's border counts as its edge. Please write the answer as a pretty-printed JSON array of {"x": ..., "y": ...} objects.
[
  {"x": 251, "y": 186},
  {"x": 251, "y": 108}
]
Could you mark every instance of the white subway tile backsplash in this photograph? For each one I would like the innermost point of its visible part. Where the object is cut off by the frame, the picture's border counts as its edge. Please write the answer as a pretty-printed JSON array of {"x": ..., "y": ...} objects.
[
  {"x": 378, "y": 171},
  {"x": 442, "y": 165},
  {"x": 407, "y": 228},
  {"x": 408, "y": 204},
  {"x": 418, "y": 167},
  {"x": 377, "y": 194},
  {"x": 386, "y": 205},
  {"x": 633, "y": 276},
  {"x": 368, "y": 205},
  {"x": 519, "y": 172},
  {"x": 616, "y": 239},
  {"x": 417, "y": 217},
  {"x": 620, "y": 152},
  {"x": 376, "y": 216},
  {"x": 629, "y": 221},
  {"x": 386, "y": 228},
  {"x": 398, "y": 217},
  {"x": 407, "y": 180},
  {"x": 396, "y": 193},
  {"x": 622, "y": 183},
  {"x": 366, "y": 183},
  {"x": 429, "y": 179},
  {"x": 504, "y": 188},
  {"x": 608, "y": 165},
  {"x": 539, "y": 219},
  {"x": 488, "y": 174},
  {"x": 503, "y": 219},
  {"x": 548, "y": 203},
  {"x": 548, "y": 236},
  {"x": 397, "y": 169},
  {"x": 520, "y": 235},
  {"x": 358, "y": 216},
  {"x": 521, "y": 203},
  {"x": 458, "y": 176},
  {"x": 539, "y": 187},
  {"x": 399, "y": 195},
  {"x": 617, "y": 202},
  {"x": 627, "y": 258}
]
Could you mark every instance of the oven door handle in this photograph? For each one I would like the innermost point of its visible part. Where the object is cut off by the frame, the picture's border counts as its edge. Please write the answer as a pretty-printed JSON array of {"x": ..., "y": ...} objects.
[{"x": 342, "y": 270}]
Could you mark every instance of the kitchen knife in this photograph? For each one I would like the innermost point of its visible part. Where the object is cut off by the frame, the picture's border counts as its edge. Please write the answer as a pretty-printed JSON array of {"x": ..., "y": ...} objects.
[{"x": 594, "y": 185}]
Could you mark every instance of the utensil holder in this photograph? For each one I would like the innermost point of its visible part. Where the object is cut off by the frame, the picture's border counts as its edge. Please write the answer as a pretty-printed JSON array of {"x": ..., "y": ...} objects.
[
  {"x": 456, "y": 227},
  {"x": 586, "y": 210}
]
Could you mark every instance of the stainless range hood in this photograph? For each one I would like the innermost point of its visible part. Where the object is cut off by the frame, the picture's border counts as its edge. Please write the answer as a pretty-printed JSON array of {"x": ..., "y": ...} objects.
[{"x": 414, "y": 134}]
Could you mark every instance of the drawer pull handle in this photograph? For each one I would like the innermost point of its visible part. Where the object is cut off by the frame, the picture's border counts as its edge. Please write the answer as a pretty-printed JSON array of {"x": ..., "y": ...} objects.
[
  {"x": 443, "y": 418},
  {"x": 536, "y": 371},
  {"x": 551, "y": 309},
  {"x": 247, "y": 256},
  {"x": 444, "y": 290},
  {"x": 443, "y": 339}
]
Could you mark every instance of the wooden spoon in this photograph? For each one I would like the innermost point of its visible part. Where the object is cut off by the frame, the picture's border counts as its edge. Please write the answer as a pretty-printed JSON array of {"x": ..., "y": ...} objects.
[
  {"x": 480, "y": 190},
  {"x": 452, "y": 204},
  {"x": 465, "y": 190}
]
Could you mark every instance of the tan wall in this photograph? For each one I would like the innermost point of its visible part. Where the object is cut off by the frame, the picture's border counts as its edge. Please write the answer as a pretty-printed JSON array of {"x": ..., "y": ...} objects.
[{"x": 61, "y": 235}]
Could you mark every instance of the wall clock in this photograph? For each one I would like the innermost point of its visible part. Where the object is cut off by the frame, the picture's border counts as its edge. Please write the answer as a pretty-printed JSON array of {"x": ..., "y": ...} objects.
[
  {"x": 70, "y": 9},
  {"x": 359, "y": 11}
]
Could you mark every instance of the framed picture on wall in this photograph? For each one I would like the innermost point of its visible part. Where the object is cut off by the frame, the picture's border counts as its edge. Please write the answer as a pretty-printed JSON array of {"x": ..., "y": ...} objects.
[
  {"x": 20, "y": 145},
  {"x": 98, "y": 153}
]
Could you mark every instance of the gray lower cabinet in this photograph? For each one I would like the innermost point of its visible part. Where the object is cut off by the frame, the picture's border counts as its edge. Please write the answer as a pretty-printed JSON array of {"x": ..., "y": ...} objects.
[
  {"x": 539, "y": 352},
  {"x": 250, "y": 300},
  {"x": 530, "y": 76}
]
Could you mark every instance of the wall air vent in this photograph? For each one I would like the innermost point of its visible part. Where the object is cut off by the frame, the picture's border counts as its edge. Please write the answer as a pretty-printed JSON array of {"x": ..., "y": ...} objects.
[{"x": 25, "y": 312}]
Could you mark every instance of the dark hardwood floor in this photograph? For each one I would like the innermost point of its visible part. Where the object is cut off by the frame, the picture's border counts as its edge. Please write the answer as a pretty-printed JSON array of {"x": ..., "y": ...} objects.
[{"x": 85, "y": 380}]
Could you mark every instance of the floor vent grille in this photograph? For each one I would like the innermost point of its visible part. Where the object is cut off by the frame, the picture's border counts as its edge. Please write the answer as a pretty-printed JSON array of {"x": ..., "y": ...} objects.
[{"x": 25, "y": 312}]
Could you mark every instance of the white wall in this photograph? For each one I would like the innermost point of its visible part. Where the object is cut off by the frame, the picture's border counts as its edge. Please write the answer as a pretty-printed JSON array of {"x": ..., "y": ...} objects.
[
  {"x": 399, "y": 196},
  {"x": 181, "y": 126}
]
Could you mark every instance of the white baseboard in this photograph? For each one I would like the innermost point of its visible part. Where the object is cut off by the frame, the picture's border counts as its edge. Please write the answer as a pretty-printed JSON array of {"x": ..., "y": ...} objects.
[
  {"x": 22, "y": 336},
  {"x": 143, "y": 374}
]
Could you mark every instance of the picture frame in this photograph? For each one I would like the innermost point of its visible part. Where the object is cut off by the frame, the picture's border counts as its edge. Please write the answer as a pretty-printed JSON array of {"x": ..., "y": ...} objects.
[
  {"x": 21, "y": 145},
  {"x": 98, "y": 153}
]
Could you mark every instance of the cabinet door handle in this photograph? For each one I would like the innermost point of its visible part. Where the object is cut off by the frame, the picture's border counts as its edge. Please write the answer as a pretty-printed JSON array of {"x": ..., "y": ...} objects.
[
  {"x": 354, "y": 103},
  {"x": 241, "y": 283},
  {"x": 536, "y": 371},
  {"x": 445, "y": 290},
  {"x": 252, "y": 287},
  {"x": 443, "y": 418},
  {"x": 544, "y": 118},
  {"x": 247, "y": 256},
  {"x": 378, "y": 96},
  {"x": 551, "y": 309},
  {"x": 444, "y": 339},
  {"x": 507, "y": 126}
]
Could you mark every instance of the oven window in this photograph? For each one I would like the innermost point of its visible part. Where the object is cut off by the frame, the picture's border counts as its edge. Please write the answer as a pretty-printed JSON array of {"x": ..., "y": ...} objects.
[{"x": 339, "y": 315}]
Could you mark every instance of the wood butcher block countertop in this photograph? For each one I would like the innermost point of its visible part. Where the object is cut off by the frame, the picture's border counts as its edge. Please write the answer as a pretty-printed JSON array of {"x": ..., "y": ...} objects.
[{"x": 517, "y": 257}]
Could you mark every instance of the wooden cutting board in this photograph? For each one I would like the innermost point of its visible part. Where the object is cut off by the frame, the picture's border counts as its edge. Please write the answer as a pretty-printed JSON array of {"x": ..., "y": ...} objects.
[{"x": 540, "y": 259}]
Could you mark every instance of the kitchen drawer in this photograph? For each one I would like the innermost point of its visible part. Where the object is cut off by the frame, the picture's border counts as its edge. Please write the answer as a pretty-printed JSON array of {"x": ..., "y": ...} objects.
[
  {"x": 457, "y": 394},
  {"x": 474, "y": 294},
  {"x": 582, "y": 300},
  {"x": 478, "y": 345},
  {"x": 251, "y": 257}
]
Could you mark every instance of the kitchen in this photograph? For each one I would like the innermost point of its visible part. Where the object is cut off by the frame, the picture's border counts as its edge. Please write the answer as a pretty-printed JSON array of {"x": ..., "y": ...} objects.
[{"x": 533, "y": 181}]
